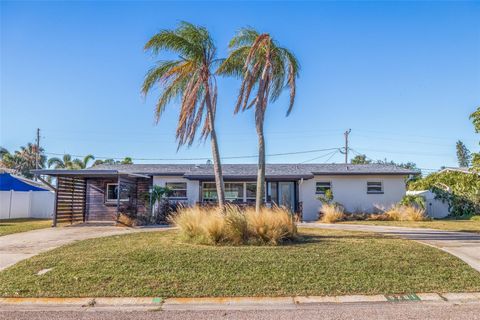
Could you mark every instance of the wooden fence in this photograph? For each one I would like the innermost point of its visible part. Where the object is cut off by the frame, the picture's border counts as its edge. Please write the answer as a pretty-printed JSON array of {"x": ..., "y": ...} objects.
[{"x": 70, "y": 200}]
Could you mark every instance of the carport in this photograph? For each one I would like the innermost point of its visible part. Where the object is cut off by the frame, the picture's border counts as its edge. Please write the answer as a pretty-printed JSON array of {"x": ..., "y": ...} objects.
[{"x": 96, "y": 195}]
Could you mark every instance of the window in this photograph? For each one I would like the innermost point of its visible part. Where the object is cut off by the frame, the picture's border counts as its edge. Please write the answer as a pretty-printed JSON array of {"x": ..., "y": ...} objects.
[
  {"x": 374, "y": 187},
  {"x": 112, "y": 193},
  {"x": 251, "y": 192},
  {"x": 209, "y": 191},
  {"x": 234, "y": 192},
  {"x": 179, "y": 189},
  {"x": 322, "y": 186}
]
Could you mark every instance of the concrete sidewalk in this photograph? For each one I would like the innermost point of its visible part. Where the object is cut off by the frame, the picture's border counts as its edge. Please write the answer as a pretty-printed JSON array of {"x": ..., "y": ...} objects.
[
  {"x": 463, "y": 245},
  {"x": 226, "y": 303},
  {"x": 19, "y": 246}
]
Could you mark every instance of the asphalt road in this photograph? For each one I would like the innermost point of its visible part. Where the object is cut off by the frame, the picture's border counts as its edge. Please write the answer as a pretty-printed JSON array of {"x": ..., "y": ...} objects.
[{"x": 371, "y": 311}]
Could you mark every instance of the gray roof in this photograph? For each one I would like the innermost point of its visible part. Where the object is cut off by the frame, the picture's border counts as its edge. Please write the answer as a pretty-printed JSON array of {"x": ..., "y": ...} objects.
[{"x": 193, "y": 171}]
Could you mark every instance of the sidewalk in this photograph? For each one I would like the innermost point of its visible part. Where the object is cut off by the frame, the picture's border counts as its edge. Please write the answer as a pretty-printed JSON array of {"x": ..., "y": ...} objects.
[{"x": 224, "y": 303}]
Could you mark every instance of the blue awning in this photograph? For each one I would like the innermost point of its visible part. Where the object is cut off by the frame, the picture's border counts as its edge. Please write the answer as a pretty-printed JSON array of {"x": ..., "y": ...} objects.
[{"x": 9, "y": 182}]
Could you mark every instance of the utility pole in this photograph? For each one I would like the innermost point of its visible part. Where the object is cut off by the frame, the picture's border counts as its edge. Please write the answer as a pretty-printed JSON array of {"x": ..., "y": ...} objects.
[
  {"x": 346, "y": 144},
  {"x": 37, "y": 153}
]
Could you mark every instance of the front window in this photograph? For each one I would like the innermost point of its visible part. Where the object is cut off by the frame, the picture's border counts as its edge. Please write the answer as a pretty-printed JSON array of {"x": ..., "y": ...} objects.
[
  {"x": 112, "y": 193},
  {"x": 322, "y": 186},
  {"x": 374, "y": 187},
  {"x": 209, "y": 192},
  {"x": 234, "y": 192},
  {"x": 178, "y": 189},
  {"x": 251, "y": 192}
]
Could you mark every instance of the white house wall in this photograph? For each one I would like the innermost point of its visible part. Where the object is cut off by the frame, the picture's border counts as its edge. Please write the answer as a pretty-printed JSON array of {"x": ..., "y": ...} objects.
[
  {"x": 193, "y": 187},
  {"x": 351, "y": 192}
]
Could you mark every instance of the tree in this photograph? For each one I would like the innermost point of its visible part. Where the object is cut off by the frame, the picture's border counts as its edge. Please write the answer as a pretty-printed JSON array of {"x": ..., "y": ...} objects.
[
  {"x": 83, "y": 163},
  {"x": 360, "y": 159},
  {"x": 190, "y": 77},
  {"x": 61, "y": 163},
  {"x": 126, "y": 160},
  {"x": 475, "y": 117},
  {"x": 266, "y": 67},
  {"x": 66, "y": 162},
  {"x": 463, "y": 155},
  {"x": 24, "y": 160}
]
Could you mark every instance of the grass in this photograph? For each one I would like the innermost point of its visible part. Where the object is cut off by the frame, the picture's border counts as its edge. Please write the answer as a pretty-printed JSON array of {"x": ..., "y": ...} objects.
[
  {"x": 471, "y": 225},
  {"x": 21, "y": 225},
  {"x": 323, "y": 262}
]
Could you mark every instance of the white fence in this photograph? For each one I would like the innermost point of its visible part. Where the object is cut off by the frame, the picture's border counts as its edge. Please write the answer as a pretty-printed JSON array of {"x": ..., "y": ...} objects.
[{"x": 26, "y": 204}]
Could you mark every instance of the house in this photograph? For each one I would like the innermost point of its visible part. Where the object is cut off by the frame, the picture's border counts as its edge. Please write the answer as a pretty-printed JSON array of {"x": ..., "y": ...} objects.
[
  {"x": 94, "y": 193},
  {"x": 24, "y": 198}
]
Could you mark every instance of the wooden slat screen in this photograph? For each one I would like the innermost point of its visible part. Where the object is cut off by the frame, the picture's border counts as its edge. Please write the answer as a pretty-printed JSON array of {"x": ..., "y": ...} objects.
[{"x": 70, "y": 200}]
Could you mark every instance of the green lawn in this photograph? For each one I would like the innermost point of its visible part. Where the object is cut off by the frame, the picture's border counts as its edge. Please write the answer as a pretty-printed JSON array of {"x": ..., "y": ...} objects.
[
  {"x": 472, "y": 225},
  {"x": 21, "y": 225},
  {"x": 325, "y": 262}
]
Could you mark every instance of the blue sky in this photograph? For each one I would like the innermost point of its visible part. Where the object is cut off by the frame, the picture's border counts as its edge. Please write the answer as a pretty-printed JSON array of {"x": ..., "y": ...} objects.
[{"x": 404, "y": 76}]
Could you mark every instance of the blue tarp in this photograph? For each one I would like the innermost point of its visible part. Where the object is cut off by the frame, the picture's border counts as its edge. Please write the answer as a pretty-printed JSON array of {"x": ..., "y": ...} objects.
[{"x": 9, "y": 182}]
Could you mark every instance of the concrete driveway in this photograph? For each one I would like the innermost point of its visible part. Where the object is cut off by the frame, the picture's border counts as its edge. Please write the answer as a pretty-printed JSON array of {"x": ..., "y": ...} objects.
[
  {"x": 463, "y": 245},
  {"x": 19, "y": 246}
]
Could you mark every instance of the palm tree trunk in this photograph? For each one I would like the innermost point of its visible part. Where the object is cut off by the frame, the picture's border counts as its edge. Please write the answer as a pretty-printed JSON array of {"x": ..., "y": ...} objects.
[
  {"x": 259, "y": 117},
  {"x": 217, "y": 166},
  {"x": 261, "y": 167}
]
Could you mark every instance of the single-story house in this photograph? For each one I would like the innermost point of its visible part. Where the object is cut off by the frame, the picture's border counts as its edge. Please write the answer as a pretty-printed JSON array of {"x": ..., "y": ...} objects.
[{"x": 103, "y": 191}]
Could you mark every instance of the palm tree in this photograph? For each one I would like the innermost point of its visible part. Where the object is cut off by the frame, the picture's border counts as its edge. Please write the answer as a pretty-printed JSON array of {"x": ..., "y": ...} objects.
[
  {"x": 65, "y": 162},
  {"x": 24, "y": 160},
  {"x": 266, "y": 67},
  {"x": 190, "y": 77},
  {"x": 83, "y": 163}
]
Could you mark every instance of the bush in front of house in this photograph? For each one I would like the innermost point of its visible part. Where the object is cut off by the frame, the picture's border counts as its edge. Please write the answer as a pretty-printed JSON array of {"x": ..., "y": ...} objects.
[
  {"x": 406, "y": 213},
  {"x": 235, "y": 226},
  {"x": 331, "y": 213}
]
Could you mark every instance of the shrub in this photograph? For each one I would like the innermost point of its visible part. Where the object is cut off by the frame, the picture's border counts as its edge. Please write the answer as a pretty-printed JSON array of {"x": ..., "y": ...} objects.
[
  {"x": 406, "y": 213},
  {"x": 235, "y": 226},
  {"x": 413, "y": 200},
  {"x": 331, "y": 213}
]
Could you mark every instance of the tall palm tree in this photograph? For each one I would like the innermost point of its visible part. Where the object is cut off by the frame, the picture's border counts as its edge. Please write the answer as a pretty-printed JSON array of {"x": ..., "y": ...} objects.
[
  {"x": 266, "y": 67},
  {"x": 190, "y": 77}
]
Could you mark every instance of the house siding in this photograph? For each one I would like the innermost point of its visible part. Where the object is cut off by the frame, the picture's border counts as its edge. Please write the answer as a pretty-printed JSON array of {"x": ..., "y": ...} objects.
[
  {"x": 193, "y": 187},
  {"x": 351, "y": 192}
]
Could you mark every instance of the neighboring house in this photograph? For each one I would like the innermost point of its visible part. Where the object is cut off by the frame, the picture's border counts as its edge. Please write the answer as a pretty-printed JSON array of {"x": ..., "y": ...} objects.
[
  {"x": 94, "y": 194},
  {"x": 24, "y": 198},
  {"x": 437, "y": 208}
]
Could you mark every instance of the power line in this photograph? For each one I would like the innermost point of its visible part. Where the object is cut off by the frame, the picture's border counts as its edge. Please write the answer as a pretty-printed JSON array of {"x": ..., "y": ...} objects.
[
  {"x": 331, "y": 154},
  {"x": 201, "y": 158}
]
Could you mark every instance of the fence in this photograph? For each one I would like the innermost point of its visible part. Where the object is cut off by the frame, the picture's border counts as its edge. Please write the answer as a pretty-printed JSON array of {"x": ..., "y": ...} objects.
[{"x": 26, "y": 204}]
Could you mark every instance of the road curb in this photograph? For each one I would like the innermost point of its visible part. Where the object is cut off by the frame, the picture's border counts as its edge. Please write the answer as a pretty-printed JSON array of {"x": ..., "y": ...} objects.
[{"x": 219, "y": 303}]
